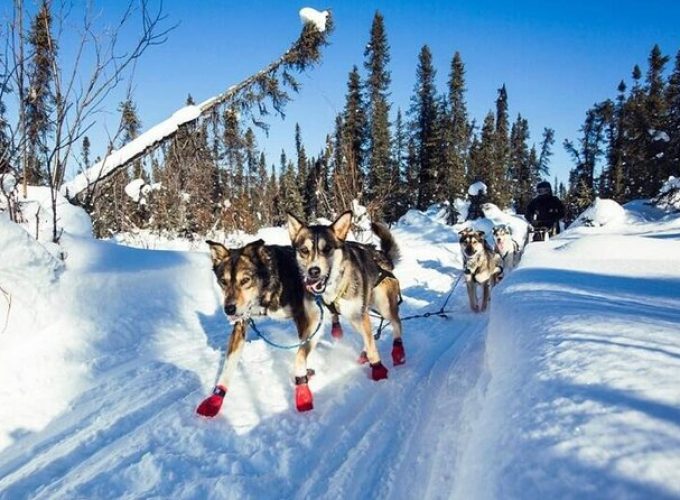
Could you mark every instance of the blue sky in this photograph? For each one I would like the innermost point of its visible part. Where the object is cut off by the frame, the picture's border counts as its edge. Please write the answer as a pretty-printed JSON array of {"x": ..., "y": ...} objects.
[{"x": 555, "y": 58}]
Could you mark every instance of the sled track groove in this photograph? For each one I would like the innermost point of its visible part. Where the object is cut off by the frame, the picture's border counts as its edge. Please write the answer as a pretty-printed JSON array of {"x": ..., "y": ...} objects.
[
  {"x": 82, "y": 439},
  {"x": 376, "y": 439}
]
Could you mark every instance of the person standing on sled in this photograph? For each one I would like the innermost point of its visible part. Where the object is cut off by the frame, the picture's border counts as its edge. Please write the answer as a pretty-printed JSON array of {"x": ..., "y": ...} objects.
[{"x": 544, "y": 212}]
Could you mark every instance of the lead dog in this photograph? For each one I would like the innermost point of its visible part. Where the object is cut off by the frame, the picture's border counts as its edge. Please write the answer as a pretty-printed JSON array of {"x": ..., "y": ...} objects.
[
  {"x": 350, "y": 278},
  {"x": 506, "y": 247},
  {"x": 260, "y": 279},
  {"x": 482, "y": 267}
]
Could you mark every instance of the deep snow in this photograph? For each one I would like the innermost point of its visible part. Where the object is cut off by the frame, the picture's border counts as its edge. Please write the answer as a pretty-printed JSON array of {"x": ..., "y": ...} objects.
[{"x": 566, "y": 388}]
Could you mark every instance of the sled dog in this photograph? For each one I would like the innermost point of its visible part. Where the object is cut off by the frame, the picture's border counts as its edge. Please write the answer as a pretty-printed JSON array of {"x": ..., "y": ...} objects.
[
  {"x": 258, "y": 280},
  {"x": 481, "y": 267},
  {"x": 506, "y": 247},
  {"x": 350, "y": 278}
]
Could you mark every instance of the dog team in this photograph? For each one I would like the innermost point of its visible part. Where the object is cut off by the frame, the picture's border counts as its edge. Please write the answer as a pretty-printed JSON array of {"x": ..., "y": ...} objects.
[{"x": 350, "y": 279}]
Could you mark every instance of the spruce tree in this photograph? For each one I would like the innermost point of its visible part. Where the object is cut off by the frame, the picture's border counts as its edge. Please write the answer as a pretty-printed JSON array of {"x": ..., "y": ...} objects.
[
  {"x": 274, "y": 199},
  {"x": 634, "y": 129},
  {"x": 613, "y": 185},
  {"x": 656, "y": 120},
  {"x": 423, "y": 113},
  {"x": 443, "y": 152},
  {"x": 673, "y": 104},
  {"x": 521, "y": 163},
  {"x": 354, "y": 134},
  {"x": 377, "y": 84},
  {"x": 302, "y": 171},
  {"x": 290, "y": 199},
  {"x": 397, "y": 204},
  {"x": 40, "y": 97},
  {"x": 261, "y": 195},
  {"x": 586, "y": 154},
  {"x": 497, "y": 175},
  {"x": 412, "y": 175},
  {"x": 233, "y": 153},
  {"x": 341, "y": 190},
  {"x": 460, "y": 130},
  {"x": 484, "y": 155},
  {"x": 85, "y": 153}
]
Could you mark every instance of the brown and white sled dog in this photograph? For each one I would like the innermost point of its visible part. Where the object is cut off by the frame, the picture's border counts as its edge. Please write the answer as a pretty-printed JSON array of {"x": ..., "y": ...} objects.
[
  {"x": 506, "y": 247},
  {"x": 352, "y": 277},
  {"x": 258, "y": 280},
  {"x": 482, "y": 267}
]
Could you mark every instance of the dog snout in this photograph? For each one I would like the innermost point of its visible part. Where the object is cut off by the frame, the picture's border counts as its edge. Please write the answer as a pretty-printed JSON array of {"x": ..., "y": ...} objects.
[
  {"x": 230, "y": 309},
  {"x": 314, "y": 272}
]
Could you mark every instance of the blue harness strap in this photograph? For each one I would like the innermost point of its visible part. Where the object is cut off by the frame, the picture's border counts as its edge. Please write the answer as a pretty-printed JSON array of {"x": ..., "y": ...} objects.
[{"x": 318, "y": 302}]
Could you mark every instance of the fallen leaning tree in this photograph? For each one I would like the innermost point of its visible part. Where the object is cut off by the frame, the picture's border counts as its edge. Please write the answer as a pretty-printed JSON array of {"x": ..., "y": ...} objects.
[{"x": 249, "y": 97}]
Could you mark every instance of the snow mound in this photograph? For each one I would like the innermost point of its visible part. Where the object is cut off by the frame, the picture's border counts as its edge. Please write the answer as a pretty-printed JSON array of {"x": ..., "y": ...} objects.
[
  {"x": 601, "y": 213},
  {"x": 477, "y": 188},
  {"x": 413, "y": 218},
  {"x": 313, "y": 16},
  {"x": 37, "y": 211}
]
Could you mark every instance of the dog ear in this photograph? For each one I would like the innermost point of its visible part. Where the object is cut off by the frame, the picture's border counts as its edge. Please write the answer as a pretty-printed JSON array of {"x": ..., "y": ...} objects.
[
  {"x": 257, "y": 248},
  {"x": 342, "y": 225},
  {"x": 294, "y": 226},
  {"x": 218, "y": 252},
  {"x": 253, "y": 245}
]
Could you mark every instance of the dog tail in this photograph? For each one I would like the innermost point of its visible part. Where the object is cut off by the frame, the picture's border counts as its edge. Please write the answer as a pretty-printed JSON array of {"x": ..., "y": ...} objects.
[{"x": 387, "y": 244}]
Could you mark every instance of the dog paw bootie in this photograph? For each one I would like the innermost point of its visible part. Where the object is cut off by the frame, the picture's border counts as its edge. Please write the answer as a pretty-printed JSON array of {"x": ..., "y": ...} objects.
[
  {"x": 398, "y": 353},
  {"x": 336, "y": 330},
  {"x": 363, "y": 358},
  {"x": 378, "y": 371},
  {"x": 304, "y": 401},
  {"x": 211, "y": 405}
]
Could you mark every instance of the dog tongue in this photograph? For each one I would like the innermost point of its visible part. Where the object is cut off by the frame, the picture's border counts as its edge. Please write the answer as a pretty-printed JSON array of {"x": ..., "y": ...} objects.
[{"x": 315, "y": 286}]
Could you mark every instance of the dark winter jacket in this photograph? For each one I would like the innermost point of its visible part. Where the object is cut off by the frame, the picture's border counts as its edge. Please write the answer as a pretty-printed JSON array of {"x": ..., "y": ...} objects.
[{"x": 544, "y": 211}]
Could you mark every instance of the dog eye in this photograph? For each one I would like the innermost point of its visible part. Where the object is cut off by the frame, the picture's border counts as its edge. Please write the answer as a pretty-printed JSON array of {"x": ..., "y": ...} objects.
[
  {"x": 304, "y": 251},
  {"x": 245, "y": 280},
  {"x": 222, "y": 282},
  {"x": 326, "y": 250}
]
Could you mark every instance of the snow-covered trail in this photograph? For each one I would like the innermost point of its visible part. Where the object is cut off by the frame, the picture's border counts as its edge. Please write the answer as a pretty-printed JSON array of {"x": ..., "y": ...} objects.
[{"x": 153, "y": 338}]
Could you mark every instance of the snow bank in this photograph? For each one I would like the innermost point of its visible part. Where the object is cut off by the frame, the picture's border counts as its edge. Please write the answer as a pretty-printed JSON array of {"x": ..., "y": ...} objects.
[
  {"x": 583, "y": 359},
  {"x": 601, "y": 213},
  {"x": 37, "y": 379}
]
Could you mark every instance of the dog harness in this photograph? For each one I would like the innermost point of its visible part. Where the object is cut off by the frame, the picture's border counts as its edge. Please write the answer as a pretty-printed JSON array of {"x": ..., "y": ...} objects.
[
  {"x": 472, "y": 271},
  {"x": 515, "y": 247},
  {"x": 382, "y": 274}
]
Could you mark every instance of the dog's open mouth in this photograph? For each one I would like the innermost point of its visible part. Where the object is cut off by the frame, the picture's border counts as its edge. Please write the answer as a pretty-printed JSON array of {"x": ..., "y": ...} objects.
[{"x": 316, "y": 285}]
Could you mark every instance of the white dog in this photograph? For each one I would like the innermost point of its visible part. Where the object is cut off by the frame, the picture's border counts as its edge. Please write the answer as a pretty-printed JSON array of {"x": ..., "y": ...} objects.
[{"x": 506, "y": 247}]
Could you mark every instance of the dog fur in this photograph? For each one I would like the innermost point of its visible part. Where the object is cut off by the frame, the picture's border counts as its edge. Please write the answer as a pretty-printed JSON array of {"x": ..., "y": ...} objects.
[
  {"x": 257, "y": 280},
  {"x": 482, "y": 267},
  {"x": 506, "y": 247},
  {"x": 351, "y": 278}
]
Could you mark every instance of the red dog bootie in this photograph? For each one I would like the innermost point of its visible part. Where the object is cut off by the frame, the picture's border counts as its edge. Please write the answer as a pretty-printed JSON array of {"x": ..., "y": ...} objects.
[
  {"x": 304, "y": 401},
  {"x": 378, "y": 371},
  {"x": 398, "y": 353},
  {"x": 211, "y": 405},
  {"x": 363, "y": 358},
  {"x": 336, "y": 330}
]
